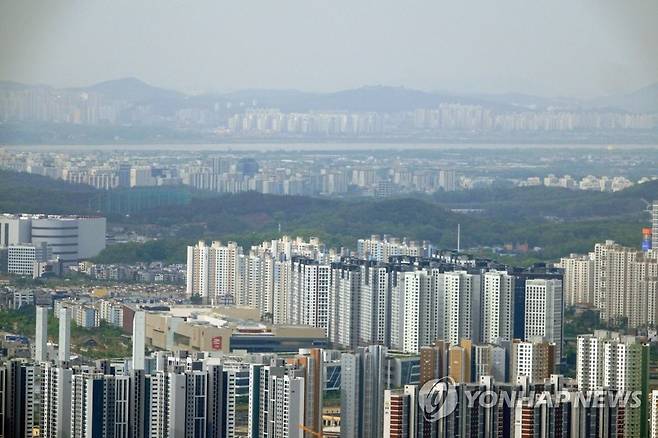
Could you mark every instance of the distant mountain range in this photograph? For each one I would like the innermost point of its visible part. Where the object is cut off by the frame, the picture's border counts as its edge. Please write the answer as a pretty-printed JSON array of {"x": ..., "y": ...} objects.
[
  {"x": 132, "y": 89},
  {"x": 368, "y": 98},
  {"x": 644, "y": 100}
]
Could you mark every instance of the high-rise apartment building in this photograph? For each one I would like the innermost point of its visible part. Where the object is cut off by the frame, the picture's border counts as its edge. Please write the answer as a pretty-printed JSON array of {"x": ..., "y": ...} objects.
[
  {"x": 64, "y": 346},
  {"x": 461, "y": 306},
  {"x": 578, "y": 279},
  {"x": 400, "y": 412},
  {"x": 533, "y": 360},
  {"x": 544, "y": 312},
  {"x": 56, "y": 401},
  {"x": 460, "y": 359},
  {"x": 139, "y": 340},
  {"x": 448, "y": 180},
  {"x": 362, "y": 392},
  {"x": 619, "y": 363},
  {"x": 421, "y": 308},
  {"x": 489, "y": 360},
  {"x": 345, "y": 305},
  {"x": 41, "y": 335},
  {"x": 178, "y": 403},
  {"x": 280, "y": 281},
  {"x": 381, "y": 249},
  {"x": 141, "y": 176},
  {"x": 309, "y": 293},
  {"x": 375, "y": 303},
  {"x": 281, "y": 402},
  {"x": 213, "y": 271},
  {"x": 497, "y": 307},
  {"x": 312, "y": 363},
  {"x": 100, "y": 405},
  {"x": 433, "y": 361},
  {"x": 625, "y": 282},
  {"x": 653, "y": 412},
  {"x": 654, "y": 224},
  {"x": 612, "y": 278},
  {"x": 20, "y": 397}
]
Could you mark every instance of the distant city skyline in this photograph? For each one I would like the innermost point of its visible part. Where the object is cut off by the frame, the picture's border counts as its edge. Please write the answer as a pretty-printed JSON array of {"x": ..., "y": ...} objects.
[{"x": 565, "y": 49}]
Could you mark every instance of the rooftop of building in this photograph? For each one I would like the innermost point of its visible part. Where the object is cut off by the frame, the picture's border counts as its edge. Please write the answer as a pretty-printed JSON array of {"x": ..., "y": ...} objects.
[{"x": 242, "y": 320}]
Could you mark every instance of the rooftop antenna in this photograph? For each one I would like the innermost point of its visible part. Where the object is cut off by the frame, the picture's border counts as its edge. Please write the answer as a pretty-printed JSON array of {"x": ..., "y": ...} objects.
[{"x": 459, "y": 232}]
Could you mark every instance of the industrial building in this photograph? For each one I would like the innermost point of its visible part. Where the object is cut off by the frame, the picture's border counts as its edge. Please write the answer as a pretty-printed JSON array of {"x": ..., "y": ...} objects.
[{"x": 69, "y": 238}]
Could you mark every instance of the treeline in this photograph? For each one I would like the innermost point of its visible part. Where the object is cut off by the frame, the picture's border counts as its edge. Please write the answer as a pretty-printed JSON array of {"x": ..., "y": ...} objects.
[
  {"x": 557, "y": 220},
  {"x": 250, "y": 218},
  {"x": 525, "y": 203},
  {"x": 167, "y": 250},
  {"x": 28, "y": 193}
]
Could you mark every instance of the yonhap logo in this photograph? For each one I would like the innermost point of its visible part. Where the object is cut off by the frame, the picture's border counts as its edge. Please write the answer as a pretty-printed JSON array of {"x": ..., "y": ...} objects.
[{"x": 437, "y": 399}]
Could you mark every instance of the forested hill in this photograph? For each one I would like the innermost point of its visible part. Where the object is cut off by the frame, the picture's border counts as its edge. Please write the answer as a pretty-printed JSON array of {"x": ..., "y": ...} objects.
[
  {"x": 28, "y": 193},
  {"x": 558, "y": 220},
  {"x": 532, "y": 203},
  {"x": 336, "y": 221}
]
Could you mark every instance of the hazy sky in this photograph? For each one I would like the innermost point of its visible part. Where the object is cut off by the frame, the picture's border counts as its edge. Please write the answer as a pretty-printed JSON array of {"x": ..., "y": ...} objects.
[{"x": 550, "y": 47}]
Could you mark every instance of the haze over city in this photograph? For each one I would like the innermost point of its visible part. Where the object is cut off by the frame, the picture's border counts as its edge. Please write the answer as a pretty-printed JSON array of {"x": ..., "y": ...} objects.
[{"x": 593, "y": 47}]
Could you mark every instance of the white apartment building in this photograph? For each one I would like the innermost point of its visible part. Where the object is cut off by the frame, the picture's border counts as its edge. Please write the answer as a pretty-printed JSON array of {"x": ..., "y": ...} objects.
[
  {"x": 236, "y": 379},
  {"x": 111, "y": 312},
  {"x": 41, "y": 335},
  {"x": 86, "y": 317},
  {"x": 461, "y": 306},
  {"x": 345, "y": 306},
  {"x": 309, "y": 293},
  {"x": 213, "y": 270},
  {"x": 374, "y": 307},
  {"x": 250, "y": 290},
  {"x": 616, "y": 362},
  {"x": 99, "y": 405},
  {"x": 544, "y": 312},
  {"x": 380, "y": 249},
  {"x": 427, "y": 305},
  {"x": 56, "y": 402},
  {"x": 625, "y": 283},
  {"x": 578, "y": 279},
  {"x": 497, "y": 307},
  {"x": 281, "y": 277},
  {"x": 281, "y": 399},
  {"x": 187, "y": 404},
  {"x": 64, "y": 345},
  {"x": 421, "y": 317},
  {"x": 158, "y": 404},
  {"x": 654, "y": 225},
  {"x": 608, "y": 360},
  {"x": 612, "y": 278}
]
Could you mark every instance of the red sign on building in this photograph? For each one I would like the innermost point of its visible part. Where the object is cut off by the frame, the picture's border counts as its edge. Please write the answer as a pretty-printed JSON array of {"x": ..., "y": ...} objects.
[{"x": 217, "y": 343}]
